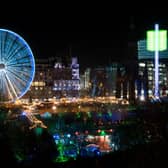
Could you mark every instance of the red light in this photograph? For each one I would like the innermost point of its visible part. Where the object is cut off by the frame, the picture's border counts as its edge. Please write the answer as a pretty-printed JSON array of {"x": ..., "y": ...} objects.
[
  {"x": 111, "y": 130},
  {"x": 98, "y": 130},
  {"x": 76, "y": 133}
]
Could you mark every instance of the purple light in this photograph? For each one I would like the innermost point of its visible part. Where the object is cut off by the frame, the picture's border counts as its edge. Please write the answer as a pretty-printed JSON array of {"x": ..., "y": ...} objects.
[{"x": 156, "y": 61}]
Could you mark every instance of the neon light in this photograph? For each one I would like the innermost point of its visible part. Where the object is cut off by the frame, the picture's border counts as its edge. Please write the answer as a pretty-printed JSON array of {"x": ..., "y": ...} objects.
[
  {"x": 150, "y": 41},
  {"x": 161, "y": 37},
  {"x": 156, "y": 60},
  {"x": 162, "y": 40}
]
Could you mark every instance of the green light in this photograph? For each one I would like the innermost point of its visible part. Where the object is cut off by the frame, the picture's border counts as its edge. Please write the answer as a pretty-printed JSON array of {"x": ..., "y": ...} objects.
[
  {"x": 61, "y": 157},
  {"x": 102, "y": 133},
  {"x": 99, "y": 114},
  {"x": 38, "y": 131},
  {"x": 19, "y": 157},
  {"x": 78, "y": 115},
  {"x": 89, "y": 114},
  {"x": 162, "y": 40},
  {"x": 110, "y": 113}
]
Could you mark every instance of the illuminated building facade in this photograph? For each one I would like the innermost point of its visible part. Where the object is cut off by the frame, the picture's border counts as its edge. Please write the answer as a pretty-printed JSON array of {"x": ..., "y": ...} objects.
[
  {"x": 146, "y": 72},
  {"x": 42, "y": 84},
  {"x": 54, "y": 80},
  {"x": 66, "y": 79}
]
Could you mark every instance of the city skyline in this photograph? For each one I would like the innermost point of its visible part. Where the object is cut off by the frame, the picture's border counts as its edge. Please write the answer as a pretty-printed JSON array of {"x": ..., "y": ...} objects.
[
  {"x": 103, "y": 103},
  {"x": 96, "y": 43}
]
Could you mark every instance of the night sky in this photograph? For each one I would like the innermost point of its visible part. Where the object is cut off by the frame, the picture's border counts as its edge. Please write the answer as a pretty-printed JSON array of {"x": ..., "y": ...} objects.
[{"x": 95, "y": 40}]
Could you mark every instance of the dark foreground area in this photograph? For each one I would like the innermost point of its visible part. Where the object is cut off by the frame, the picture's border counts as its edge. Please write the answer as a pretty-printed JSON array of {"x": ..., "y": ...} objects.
[
  {"x": 22, "y": 148},
  {"x": 141, "y": 156}
]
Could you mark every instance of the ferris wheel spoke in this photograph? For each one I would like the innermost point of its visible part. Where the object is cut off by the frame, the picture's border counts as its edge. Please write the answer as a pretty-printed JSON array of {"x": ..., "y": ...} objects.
[
  {"x": 22, "y": 79},
  {"x": 14, "y": 52},
  {"x": 18, "y": 76},
  {"x": 4, "y": 40},
  {"x": 14, "y": 60},
  {"x": 1, "y": 48},
  {"x": 10, "y": 45},
  {"x": 6, "y": 93},
  {"x": 23, "y": 74},
  {"x": 14, "y": 49},
  {"x": 18, "y": 64},
  {"x": 17, "y": 86},
  {"x": 10, "y": 86},
  {"x": 19, "y": 58},
  {"x": 21, "y": 71},
  {"x": 1, "y": 82}
]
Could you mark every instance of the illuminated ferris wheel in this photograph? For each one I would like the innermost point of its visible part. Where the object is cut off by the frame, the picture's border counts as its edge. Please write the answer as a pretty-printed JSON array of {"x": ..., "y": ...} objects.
[{"x": 17, "y": 66}]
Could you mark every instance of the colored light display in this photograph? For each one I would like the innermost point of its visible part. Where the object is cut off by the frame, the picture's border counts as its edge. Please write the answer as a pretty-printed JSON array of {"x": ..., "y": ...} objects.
[
  {"x": 157, "y": 48},
  {"x": 102, "y": 133},
  {"x": 61, "y": 157},
  {"x": 161, "y": 37},
  {"x": 17, "y": 66},
  {"x": 156, "y": 41}
]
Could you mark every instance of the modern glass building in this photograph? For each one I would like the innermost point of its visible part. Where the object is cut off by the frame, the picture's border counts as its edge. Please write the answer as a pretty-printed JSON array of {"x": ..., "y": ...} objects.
[
  {"x": 143, "y": 53},
  {"x": 146, "y": 72}
]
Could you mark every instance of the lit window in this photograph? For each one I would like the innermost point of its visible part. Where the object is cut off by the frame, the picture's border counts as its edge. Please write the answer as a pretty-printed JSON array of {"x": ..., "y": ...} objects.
[
  {"x": 142, "y": 64},
  {"x": 150, "y": 91},
  {"x": 150, "y": 77}
]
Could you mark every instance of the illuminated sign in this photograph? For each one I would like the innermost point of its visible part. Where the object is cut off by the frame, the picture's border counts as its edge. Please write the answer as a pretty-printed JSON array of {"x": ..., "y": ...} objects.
[{"x": 161, "y": 36}]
